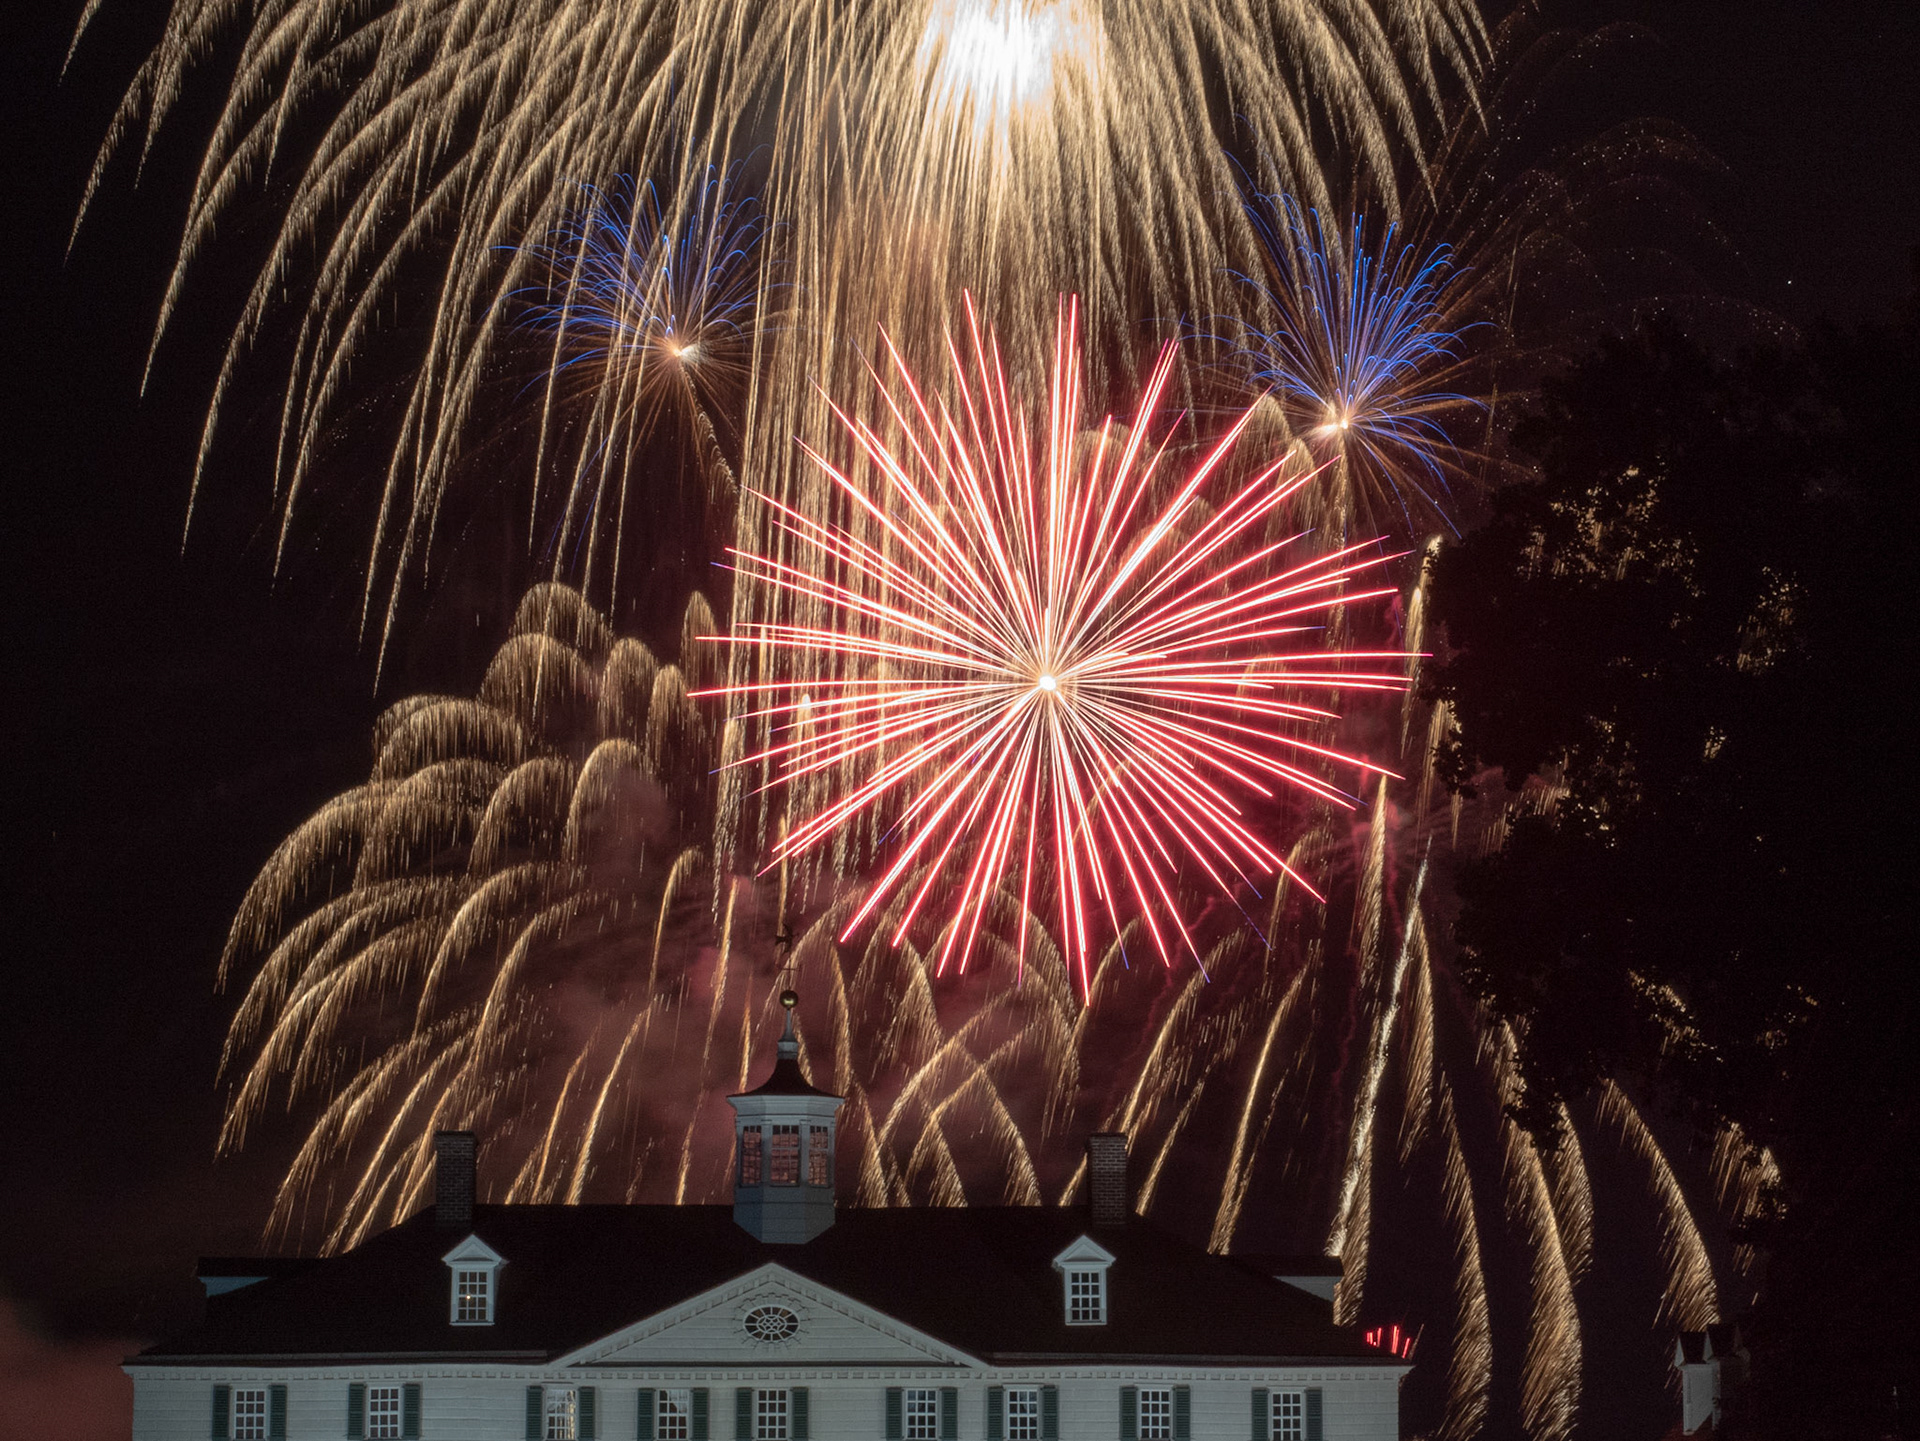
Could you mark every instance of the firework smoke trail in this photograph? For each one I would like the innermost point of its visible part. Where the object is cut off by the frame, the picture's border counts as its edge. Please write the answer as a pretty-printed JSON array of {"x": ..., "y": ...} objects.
[
  {"x": 1359, "y": 345},
  {"x": 1048, "y": 666}
]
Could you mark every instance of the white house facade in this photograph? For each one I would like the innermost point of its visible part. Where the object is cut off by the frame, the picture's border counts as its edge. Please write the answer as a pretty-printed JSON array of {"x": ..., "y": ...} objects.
[{"x": 770, "y": 1320}]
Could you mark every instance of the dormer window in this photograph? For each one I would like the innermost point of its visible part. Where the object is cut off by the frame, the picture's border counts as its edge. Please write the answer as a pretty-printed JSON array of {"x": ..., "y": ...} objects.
[
  {"x": 1086, "y": 1296},
  {"x": 475, "y": 1278},
  {"x": 1083, "y": 1269},
  {"x": 472, "y": 1298}
]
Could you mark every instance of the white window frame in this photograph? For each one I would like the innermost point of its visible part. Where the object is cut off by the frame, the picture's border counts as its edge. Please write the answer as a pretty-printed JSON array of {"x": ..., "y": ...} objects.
[
  {"x": 388, "y": 1422},
  {"x": 673, "y": 1415},
  {"x": 1023, "y": 1421},
  {"x": 1287, "y": 1417},
  {"x": 1083, "y": 1268},
  {"x": 473, "y": 1296},
  {"x": 473, "y": 1257},
  {"x": 920, "y": 1413},
  {"x": 772, "y": 1413},
  {"x": 1086, "y": 1296},
  {"x": 1160, "y": 1398},
  {"x": 242, "y": 1424},
  {"x": 560, "y": 1413}
]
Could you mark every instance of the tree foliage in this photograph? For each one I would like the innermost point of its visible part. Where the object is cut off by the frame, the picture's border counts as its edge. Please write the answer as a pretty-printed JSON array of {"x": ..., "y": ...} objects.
[{"x": 1697, "y": 621}]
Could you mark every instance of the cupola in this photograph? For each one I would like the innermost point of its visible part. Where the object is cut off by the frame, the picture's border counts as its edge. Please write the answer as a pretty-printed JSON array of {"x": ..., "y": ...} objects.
[{"x": 783, "y": 1149}]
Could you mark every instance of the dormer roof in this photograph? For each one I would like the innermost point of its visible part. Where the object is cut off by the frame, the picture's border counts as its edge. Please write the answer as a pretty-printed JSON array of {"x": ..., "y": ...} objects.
[
  {"x": 473, "y": 1252},
  {"x": 1084, "y": 1252}
]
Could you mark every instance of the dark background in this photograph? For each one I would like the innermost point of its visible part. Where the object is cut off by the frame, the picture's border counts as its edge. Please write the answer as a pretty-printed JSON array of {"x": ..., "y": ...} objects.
[{"x": 172, "y": 713}]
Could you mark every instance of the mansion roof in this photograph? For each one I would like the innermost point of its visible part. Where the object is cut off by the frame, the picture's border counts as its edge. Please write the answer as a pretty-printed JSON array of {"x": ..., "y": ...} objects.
[{"x": 979, "y": 1279}]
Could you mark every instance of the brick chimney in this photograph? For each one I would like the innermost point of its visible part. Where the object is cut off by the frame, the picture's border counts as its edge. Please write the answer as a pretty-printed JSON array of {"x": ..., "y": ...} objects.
[
  {"x": 453, "y": 1180},
  {"x": 1109, "y": 1197}
]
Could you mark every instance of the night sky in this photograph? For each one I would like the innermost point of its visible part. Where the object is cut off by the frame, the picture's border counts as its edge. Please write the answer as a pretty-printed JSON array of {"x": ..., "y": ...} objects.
[{"x": 172, "y": 714}]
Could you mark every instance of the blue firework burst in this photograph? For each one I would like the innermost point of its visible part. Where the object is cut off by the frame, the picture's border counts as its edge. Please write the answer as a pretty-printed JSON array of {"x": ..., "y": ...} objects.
[{"x": 1359, "y": 347}]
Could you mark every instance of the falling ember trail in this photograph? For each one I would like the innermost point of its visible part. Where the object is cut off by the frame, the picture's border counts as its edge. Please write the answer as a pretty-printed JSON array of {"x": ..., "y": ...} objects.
[{"x": 1029, "y": 663}]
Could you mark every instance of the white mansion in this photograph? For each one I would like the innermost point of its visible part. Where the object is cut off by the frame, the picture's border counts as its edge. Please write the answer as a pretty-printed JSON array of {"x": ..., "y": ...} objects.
[{"x": 775, "y": 1319}]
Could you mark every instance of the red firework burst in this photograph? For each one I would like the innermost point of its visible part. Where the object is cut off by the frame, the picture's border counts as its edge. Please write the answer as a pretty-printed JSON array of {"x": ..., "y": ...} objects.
[{"x": 1031, "y": 663}]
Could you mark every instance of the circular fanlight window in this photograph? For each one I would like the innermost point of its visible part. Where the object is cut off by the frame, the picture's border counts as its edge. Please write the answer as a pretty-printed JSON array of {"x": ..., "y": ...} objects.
[{"x": 771, "y": 1323}]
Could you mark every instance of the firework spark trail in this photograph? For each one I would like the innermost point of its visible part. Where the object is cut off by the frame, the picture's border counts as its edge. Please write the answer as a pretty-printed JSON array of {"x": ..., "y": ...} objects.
[
  {"x": 1691, "y": 1297},
  {"x": 1416, "y": 1118},
  {"x": 1239, "y": 1173},
  {"x": 911, "y": 150},
  {"x": 1049, "y": 663},
  {"x": 1572, "y": 1192},
  {"x": 545, "y": 785},
  {"x": 1470, "y": 1372},
  {"x": 1746, "y": 1181},
  {"x": 1360, "y": 1146},
  {"x": 1550, "y": 1369}
]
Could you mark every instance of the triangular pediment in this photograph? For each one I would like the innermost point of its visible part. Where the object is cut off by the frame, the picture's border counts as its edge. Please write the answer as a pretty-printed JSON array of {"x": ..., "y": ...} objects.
[
  {"x": 770, "y": 1316},
  {"x": 1084, "y": 1252},
  {"x": 474, "y": 1252}
]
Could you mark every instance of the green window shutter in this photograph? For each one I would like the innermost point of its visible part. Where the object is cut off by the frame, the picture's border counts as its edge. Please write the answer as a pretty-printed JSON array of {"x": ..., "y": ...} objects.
[
  {"x": 743, "y": 1413},
  {"x": 1129, "y": 1413},
  {"x": 1183, "y": 1413},
  {"x": 894, "y": 1399},
  {"x": 797, "y": 1413},
  {"x": 1262, "y": 1413},
  {"x": 356, "y": 1410},
  {"x": 996, "y": 1413},
  {"x": 949, "y": 1413},
  {"x": 277, "y": 1413},
  {"x": 222, "y": 1405},
  {"x": 699, "y": 1427},
  {"x": 1313, "y": 1413},
  {"x": 584, "y": 1408},
  {"x": 643, "y": 1422},
  {"x": 410, "y": 1411},
  {"x": 1049, "y": 1413},
  {"x": 535, "y": 1406}
]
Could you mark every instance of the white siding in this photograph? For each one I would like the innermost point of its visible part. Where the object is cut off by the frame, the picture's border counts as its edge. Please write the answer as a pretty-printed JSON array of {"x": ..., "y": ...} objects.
[{"x": 475, "y": 1403}]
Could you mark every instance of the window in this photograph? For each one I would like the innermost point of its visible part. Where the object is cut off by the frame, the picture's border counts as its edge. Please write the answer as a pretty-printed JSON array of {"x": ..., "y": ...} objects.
[
  {"x": 819, "y": 1158},
  {"x": 922, "y": 1415},
  {"x": 771, "y": 1323},
  {"x": 770, "y": 1415},
  {"x": 749, "y": 1155},
  {"x": 1083, "y": 1268},
  {"x": 472, "y": 1299},
  {"x": 673, "y": 1416},
  {"x": 476, "y": 1273},
  {"x": 1289, "y": 1416},
  {"x": 250, "y": 1414},
  {"x": 1023, "y": 1413},
  {"x": 1086, "y": 1296},
  {"x": 783, "y": 1165},
  {"x": 383, "y": 1413},
  {"x": 563, "y": 1414},
  {"x": 1156, "y": 1414}
]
